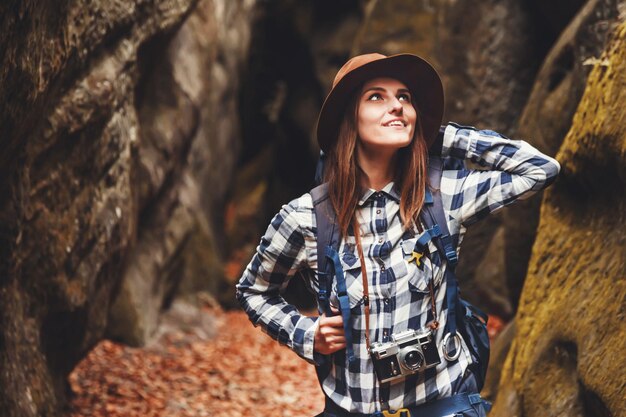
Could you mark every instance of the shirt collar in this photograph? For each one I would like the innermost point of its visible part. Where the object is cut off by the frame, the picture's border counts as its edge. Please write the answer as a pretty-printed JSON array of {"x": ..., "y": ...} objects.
[{"x": 390, "y": 190}]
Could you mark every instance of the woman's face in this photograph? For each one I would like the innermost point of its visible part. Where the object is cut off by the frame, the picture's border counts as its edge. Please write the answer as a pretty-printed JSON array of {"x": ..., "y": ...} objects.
[{"x": 386, "y": 117}]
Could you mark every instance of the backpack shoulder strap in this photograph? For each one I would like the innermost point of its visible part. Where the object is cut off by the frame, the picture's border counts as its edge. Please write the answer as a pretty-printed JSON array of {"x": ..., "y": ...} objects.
[
  {"x": 327, "y": 234},
  {"x": 328, "y": 263},
  {"x": 434, "y": 216}
]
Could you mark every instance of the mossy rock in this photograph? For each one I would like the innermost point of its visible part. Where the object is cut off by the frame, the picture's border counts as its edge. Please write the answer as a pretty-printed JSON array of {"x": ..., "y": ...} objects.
[{"x": 568, "y": 355}]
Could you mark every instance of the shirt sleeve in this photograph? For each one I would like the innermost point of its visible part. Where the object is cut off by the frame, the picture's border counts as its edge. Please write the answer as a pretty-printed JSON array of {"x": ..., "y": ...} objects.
[
  {"x": 280, "y": 254},
  {"x": 509, "y": 169}
]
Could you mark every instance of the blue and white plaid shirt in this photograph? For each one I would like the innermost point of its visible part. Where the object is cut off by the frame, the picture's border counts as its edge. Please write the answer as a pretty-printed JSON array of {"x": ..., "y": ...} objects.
[{"x": 398, "y": 289}]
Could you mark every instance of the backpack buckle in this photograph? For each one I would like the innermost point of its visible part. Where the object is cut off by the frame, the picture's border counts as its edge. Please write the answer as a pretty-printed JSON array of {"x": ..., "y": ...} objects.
[
  {"x": 403, "y": 412},
  {"x": 451, "y": 257}
]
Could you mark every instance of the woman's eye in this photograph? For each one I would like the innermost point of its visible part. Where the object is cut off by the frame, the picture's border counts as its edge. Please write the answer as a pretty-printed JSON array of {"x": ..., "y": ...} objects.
[
  {"x": 404, "y": 97},
  {"x": 375, "y": 97}
]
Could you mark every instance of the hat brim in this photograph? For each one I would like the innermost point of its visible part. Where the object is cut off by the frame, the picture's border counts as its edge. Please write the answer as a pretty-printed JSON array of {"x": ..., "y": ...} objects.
[{"x": 416, "y": 73}]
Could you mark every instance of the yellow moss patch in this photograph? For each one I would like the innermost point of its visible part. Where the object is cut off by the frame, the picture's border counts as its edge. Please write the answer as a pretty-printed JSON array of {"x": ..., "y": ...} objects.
[{"x": 569, "y": 354}]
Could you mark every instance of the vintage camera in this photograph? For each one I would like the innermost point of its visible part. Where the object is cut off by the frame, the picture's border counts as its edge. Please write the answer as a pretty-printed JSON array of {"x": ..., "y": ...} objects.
[{"x": 409, "y": 352}]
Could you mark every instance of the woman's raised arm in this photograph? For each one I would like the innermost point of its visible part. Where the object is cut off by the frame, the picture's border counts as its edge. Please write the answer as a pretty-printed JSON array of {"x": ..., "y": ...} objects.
[{"x": 513, "y": 169}]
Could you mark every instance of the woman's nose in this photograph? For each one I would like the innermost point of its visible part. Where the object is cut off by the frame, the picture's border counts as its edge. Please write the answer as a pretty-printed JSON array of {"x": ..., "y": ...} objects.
[{"x": 395, "y": 105}]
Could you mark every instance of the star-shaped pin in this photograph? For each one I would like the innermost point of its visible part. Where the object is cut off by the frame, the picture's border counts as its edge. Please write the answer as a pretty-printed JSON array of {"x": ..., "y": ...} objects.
[{"x": 417, "y": 257}]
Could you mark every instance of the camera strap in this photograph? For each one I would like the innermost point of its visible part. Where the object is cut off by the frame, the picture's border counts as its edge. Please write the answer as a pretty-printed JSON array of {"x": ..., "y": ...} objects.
[{"x": 366, "y": 297}]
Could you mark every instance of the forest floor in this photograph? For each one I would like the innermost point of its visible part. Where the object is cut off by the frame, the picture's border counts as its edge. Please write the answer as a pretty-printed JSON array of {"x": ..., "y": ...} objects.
[{"x": 203, "y": 362}]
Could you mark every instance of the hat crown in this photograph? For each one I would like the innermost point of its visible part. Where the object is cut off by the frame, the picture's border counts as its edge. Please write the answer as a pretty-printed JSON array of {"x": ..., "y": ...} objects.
[{"x": 354, "y": 63}]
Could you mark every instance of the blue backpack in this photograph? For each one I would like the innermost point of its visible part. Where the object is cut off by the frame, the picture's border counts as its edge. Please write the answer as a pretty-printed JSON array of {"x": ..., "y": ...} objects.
[{"x": 463, "y": 317}]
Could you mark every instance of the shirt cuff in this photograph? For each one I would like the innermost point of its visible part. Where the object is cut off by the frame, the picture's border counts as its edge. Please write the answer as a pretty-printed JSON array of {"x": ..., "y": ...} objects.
[
  {"x": 307, "y": 326},
  {"x": 456, "y": 142}
]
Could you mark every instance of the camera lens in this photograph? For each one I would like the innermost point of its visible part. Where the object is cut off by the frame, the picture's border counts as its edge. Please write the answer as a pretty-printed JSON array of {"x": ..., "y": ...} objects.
[{"x": 413, "y": 359}]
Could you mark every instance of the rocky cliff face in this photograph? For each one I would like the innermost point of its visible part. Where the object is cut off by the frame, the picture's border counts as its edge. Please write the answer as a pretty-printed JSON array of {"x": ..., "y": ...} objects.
[
  {"x": 568, "y": 354},
  {"x": 187, "y": 106},
  {"x": 118, "y": 121},
  {"x": 557, "y": 90}
]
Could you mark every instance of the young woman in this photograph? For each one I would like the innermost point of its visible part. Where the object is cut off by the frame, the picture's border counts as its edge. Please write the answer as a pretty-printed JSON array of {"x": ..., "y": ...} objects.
[{"x": 376, "y": 127}]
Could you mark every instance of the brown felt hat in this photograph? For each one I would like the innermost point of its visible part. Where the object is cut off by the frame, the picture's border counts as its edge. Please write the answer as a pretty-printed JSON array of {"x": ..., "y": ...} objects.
[{"x": 416, "y": 73}]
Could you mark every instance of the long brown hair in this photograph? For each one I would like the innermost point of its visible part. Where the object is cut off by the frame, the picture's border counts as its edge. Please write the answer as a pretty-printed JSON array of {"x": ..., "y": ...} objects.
[{"x": 343, "y": 174}]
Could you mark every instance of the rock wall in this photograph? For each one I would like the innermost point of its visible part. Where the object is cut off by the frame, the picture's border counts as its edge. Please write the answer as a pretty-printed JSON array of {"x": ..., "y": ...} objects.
[
  {"x": 568, "y": 353},
  {"x": 557, "y": 90},
  {"x": 189, "y": 122},
  {"x": 120, "y": 133}
]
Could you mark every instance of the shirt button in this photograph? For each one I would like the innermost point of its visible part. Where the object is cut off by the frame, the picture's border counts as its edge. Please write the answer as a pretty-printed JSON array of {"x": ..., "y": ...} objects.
[
  {"x": 378, "y": 211},
  {"x": 380, "y": 240}
]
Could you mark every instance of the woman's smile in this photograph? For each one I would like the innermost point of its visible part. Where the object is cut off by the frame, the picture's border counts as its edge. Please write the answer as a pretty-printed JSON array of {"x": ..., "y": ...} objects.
[{"x": 395, "y": 123}]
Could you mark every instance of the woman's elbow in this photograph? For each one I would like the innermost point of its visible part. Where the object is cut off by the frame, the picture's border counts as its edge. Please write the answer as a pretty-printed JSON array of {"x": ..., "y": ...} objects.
[
  {"x": 551, "y": 169},
  {"x": 240, "y": 296},
  {"x": 242, "y": 292}
]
